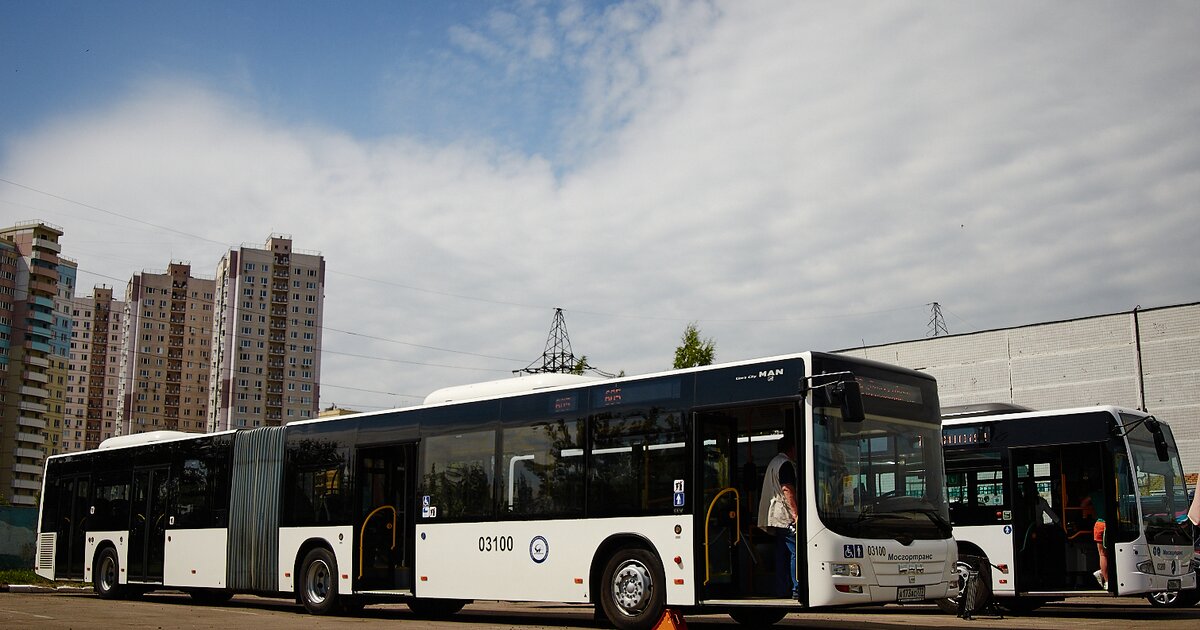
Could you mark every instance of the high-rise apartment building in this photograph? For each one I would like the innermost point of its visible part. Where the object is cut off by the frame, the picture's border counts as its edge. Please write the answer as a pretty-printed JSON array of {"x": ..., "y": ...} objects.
[
  {"x": 60, "y": 356},
  {"x": 93, "y": 382},
  {"x": 31, "y": 256},
  {"x": 165, "y": 343},
  {"x": 266, "y": 363}
]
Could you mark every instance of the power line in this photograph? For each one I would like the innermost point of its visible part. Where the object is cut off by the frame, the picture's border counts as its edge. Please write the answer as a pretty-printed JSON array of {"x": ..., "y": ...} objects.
[{"x": 594, "y": 313}]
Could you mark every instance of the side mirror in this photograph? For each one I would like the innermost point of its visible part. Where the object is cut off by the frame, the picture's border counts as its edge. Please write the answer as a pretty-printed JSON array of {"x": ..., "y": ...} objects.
[
  {"x": 849, "y": 396},
  {"x": 1160, "y": 442}
]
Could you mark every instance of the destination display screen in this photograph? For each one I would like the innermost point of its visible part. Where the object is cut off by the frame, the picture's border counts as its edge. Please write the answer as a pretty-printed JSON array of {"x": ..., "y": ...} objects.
[
  {"x": 889, "y": 390},
  {"x": 628, "y": 393},
  {"x": 966, "y": 436}
]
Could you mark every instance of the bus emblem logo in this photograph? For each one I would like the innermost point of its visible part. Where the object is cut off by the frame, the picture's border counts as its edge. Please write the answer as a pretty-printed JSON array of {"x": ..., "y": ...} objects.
[{"x": 539, "y": 549}]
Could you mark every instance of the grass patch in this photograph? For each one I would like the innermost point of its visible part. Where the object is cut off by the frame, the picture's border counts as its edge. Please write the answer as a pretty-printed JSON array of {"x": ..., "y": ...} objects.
[
  {"x": 27, "y": 576},
  {"x": 22, "y": 576}
]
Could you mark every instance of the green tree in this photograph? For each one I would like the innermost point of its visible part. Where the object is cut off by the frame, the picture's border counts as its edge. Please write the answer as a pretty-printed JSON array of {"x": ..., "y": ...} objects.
[
  {"x": 580, "y": 366},
  {"x": 692, "y": 351}
]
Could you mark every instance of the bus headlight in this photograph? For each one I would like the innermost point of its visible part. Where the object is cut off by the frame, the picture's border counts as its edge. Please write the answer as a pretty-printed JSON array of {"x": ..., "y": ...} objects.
[
  {"x": 1146, "y": 566},
  {"x": 845, "y": 569}
]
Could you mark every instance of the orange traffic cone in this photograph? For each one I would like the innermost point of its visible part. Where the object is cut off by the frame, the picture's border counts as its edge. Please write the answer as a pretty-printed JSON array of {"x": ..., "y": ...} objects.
[{"x": 671, "y": 620}]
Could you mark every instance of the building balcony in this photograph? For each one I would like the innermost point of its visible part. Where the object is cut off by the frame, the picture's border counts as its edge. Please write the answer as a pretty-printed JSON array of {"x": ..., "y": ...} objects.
[
  {"x": 31, "y": 422},
  {"x": 279, "y": 299},
  {"x": 50, "y": 257},
  {"x": 42, "y": 316},
  {"x": 25, "y": 405},
  {"x": 36, "y": 392},
  {"x": 37, "y": 377},
  {"x": 30, "y": 438},
  {"x": 27, "y": 469},
  {"x": 37, "y": 285},
  {"x": 29, "y": 453},
  {"x": 46, "y": 244},
  {"x": 41, "y": 362},
  {"x": 38, "y": 346},
  {"x": 24, "y": 500},
  {"x": 24, "y": 484}
]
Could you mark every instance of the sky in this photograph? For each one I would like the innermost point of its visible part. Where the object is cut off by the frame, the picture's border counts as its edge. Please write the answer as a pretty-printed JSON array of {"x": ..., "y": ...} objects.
[{"x": 789, "y": 176}]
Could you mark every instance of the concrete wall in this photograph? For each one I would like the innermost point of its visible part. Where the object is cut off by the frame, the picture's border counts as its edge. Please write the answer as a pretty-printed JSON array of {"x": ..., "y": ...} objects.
[{"x": 1146, "y": 359}]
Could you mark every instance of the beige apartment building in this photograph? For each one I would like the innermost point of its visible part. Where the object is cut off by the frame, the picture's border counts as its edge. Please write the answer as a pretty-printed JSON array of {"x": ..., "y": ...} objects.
[
  {"x": 36, "y": 342},
  {"x": 266, "y": 362},
  {"x": 165, "y": 344},
  {"x": 94, "y": 380},
  {"x": 60, "y": 357}
]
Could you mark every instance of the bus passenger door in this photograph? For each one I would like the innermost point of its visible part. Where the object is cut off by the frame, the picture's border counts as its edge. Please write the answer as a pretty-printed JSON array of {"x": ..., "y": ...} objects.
[
  {"x": 1039, "y": 534},
  {"x": 73, "y": 509},
  {"x": 148, "y": 525},
  {"x": 720, "y": 531},
  {"x": 736, "y": 557},
  {"x": 386, "y": 518}
]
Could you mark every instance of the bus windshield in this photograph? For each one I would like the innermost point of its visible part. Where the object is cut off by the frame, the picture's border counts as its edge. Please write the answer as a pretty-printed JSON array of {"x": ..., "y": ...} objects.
[
  {"x": 882, "y": 477},
  {"x": 1162, "y": 493}
]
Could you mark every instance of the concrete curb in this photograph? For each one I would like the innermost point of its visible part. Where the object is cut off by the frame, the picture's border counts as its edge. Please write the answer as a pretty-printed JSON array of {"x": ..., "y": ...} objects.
[{"x": 33, "y": 588}]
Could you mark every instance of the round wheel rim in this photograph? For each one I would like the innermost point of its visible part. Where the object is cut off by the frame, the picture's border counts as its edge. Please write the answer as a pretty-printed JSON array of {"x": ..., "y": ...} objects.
[
  {"x": 632, "y": 588},
  {"x": 1166, "y": 598},
  {"x": 108, "y": 573},
  {"x": 963, "y": 570},
  {"x": 318, "y": 581}
]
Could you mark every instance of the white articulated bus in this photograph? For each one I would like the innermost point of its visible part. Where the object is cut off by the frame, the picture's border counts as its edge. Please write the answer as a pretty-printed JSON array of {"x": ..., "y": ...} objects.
[
  {"x": 632, "y": 494},
  {"x": 1026, "y": 489}
]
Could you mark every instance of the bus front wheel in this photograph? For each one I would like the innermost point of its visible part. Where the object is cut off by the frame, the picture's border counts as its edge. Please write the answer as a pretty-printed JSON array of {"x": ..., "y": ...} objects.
[
  {"x": 633, "y": 589},
  {"x": 318, "y": 588},
  {"x": 981, "y": 592},
  {"x": 106, "y": 578}
]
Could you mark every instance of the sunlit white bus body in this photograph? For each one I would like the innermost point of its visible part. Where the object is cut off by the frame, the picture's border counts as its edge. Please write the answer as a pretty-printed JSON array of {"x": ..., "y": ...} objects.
[
  {"x": 1027, "y": 487},
  {"x": 632, "y": 494}
]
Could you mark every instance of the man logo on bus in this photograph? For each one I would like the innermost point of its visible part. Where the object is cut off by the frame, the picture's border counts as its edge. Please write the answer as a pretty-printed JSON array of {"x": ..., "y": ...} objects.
[{"x": 770, "y": 374}]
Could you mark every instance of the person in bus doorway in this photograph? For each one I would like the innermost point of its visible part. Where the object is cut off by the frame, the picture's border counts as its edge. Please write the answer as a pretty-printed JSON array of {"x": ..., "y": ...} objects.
[
  {"x": 1093, "y": 505},
  {"x": 777, "y": 511}
]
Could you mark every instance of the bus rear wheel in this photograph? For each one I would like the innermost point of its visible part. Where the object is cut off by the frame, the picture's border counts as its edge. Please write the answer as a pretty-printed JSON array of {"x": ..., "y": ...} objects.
[
  {"x": 318, "y": 587},
  {"x": 632, "y": 591},
  {"x": 106, "y": 578}
]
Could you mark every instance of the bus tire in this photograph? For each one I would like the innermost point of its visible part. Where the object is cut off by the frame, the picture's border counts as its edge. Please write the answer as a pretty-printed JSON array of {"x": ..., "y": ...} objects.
[
  {"x": 435, "y": 608},
  {"x": 983, "y": 585},
  {"x": 633, "y": 589},
  {"x": 318, "y": 585},
  {"x": 106, "y": 578},
  {"x": 758, "y": 617},
  {"x": 1174, "y": 599}
]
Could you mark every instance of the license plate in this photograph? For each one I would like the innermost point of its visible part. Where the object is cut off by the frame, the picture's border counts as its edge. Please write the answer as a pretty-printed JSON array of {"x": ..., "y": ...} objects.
[
  {"x": 1174, "y": 585},
  {"x": 910, "y": 594}
]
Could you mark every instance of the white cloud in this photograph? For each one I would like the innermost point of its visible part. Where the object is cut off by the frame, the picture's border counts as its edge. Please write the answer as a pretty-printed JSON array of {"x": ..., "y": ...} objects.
[{"x": 793, "y": 176}]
